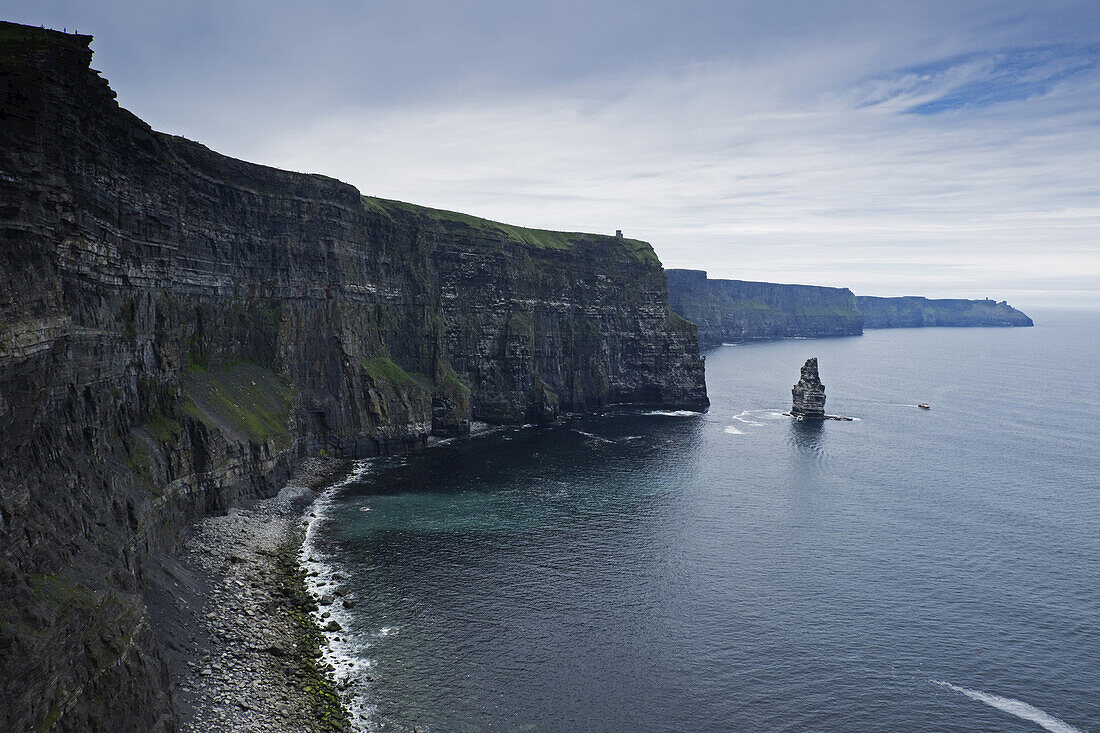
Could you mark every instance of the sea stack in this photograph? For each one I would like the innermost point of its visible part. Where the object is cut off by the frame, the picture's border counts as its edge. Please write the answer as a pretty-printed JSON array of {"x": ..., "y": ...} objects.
[{"x": 808, "y": 395}]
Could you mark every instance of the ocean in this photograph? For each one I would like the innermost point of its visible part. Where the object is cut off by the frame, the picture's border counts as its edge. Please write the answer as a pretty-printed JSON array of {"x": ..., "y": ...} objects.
[{"x": 645, "y": 570}]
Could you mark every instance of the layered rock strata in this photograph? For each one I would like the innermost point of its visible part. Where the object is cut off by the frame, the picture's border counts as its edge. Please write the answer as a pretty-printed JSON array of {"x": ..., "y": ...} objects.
[
  {"x": 808, "y": 394},
  {"x": 917, "y": 312},
  {"x": 178, "y": 329},
  {"x": 736, "y": 310}
]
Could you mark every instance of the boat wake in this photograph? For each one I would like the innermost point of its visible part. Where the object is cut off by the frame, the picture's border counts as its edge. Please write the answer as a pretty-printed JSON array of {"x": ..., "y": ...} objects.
[{"x": 1018, "y": 708}]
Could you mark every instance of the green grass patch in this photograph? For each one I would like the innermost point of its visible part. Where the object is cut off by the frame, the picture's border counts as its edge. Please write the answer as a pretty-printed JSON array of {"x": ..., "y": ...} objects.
[
  {"x": 243, "y": 396},
  {"x": 748, "y": 305},
  {"x": 826, "y": 310},
  {"x": 163, "y": 428},
  {"x": 140, "y": 465},
  {"x": 383, "y": 370},
  {"x": 633, "y": 249},
  {"x": 452, "y": 385},
  {"x": 17, "y": 32},
  {"x": 17, "y": 40},
  {"x": 520, "y": 323},
  {"x": 60, "y": 588}
]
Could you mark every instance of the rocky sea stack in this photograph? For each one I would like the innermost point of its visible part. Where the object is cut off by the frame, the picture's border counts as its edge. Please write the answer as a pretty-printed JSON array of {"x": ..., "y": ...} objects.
[{"x": 808, "y": 395}]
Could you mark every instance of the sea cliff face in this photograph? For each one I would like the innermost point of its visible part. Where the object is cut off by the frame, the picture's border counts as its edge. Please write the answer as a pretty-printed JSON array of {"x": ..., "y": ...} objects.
[
  {"x": 916, "y": 312},
  {"x": 735, "y": 310},
  {"x": 179, "y": 328}
]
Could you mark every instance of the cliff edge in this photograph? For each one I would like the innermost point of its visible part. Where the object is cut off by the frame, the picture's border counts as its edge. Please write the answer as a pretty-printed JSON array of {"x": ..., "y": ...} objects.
[
  {"x": 736, "y": 310},
  {"x": 178, "y": 329},
  {"x": 917, "y": 312}
]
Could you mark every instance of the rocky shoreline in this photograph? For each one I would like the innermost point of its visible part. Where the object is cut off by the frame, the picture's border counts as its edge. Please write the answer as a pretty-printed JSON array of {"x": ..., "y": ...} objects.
[{"x": 235, "y": 618}]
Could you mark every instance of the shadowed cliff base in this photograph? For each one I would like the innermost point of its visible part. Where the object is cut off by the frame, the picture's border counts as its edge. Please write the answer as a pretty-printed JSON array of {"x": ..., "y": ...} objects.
[
  {"x": 179, "y": 330},
  {"x": 236, "y": 622}
]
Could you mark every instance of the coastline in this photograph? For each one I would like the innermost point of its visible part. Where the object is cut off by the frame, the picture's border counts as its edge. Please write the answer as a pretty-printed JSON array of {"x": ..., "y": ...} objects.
[
  {"x": 251, "y": 614},
  {"x": 237, "y": 621},
  {"x": 329, "y": 600}
]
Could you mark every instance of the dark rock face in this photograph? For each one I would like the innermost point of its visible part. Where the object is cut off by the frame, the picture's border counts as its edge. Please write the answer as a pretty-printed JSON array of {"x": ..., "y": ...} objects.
[
  {"x": 735, "y": 310},
  {"x": 916, "y": 312},
  {"x": 178, "y": 329},
  {"x": 808, "y": 394}
]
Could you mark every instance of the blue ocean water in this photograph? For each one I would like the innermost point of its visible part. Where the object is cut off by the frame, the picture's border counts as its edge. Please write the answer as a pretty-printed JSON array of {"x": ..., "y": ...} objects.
[{"x": 911, "y": 570}]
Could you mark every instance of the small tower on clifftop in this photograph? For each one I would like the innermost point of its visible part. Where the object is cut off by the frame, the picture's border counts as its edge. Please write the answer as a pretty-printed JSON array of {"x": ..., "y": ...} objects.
[{"x": 619, "y": 233}]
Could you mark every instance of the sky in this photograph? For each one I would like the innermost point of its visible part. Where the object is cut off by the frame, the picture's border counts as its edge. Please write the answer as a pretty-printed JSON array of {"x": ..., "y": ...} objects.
[{"x": 947, "y": 149}]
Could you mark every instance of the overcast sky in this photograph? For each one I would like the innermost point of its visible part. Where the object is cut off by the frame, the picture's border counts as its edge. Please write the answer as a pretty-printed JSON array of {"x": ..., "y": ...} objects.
[{"x": 945, "y": 149}]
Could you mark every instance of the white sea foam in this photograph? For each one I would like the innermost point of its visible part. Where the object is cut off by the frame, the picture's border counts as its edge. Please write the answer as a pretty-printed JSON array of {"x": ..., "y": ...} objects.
[
  {"x": 673, "y": 413},
  {"x": 733, "y": 430},
  {"x": 593, "y": 437},
  {"x": 741, "y": 418},
  {"x": 350, "y": 666},
  {"x": 1019, "y": 708}
]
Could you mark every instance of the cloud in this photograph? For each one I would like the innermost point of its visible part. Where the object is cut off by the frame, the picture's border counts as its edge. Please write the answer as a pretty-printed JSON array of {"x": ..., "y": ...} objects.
[
  {"x": 982, "y": 79},
  {"x": 896, "y": 148},
  {"x": 722, "y": 167}
]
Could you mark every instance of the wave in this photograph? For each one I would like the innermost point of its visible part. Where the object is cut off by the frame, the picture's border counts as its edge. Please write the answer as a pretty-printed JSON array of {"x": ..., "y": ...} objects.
[
  {"x": 741, "y": 418},
  {"x": 732, "y": 430},
  {"x": 593, "y": 437},
  {"x": 351, "y": 667},
  {"x": 1019, "y": 708},
  {"x": 673, "y": 413}
]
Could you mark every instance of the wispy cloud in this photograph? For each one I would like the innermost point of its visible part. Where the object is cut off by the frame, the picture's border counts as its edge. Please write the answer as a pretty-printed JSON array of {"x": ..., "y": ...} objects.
[{"x": 982, "y": 79}]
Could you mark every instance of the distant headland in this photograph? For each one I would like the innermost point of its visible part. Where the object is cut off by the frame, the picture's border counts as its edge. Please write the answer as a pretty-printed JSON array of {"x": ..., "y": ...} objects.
[{"x": 737, "y": 310}]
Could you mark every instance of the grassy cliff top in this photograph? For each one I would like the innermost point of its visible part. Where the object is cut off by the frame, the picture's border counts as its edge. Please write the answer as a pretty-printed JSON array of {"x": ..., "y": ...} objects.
[
  {"x": 634, "y": 249},
  {"x": 17, "y": 41},
  {"x": 30, "y": 34}
]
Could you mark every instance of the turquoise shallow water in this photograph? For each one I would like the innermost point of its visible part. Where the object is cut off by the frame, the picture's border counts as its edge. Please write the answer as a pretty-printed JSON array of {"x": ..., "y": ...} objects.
[{"x": 738, "y": 571}]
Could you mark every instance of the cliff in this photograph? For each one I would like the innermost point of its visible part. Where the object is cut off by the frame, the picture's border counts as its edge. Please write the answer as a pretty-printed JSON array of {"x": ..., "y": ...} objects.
[
  {"x": 808, "y": 393},
  {"x": 915, "y": 312},
  {"x": 734, "y": 310},
  {"x": 179, "y": 328}
]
